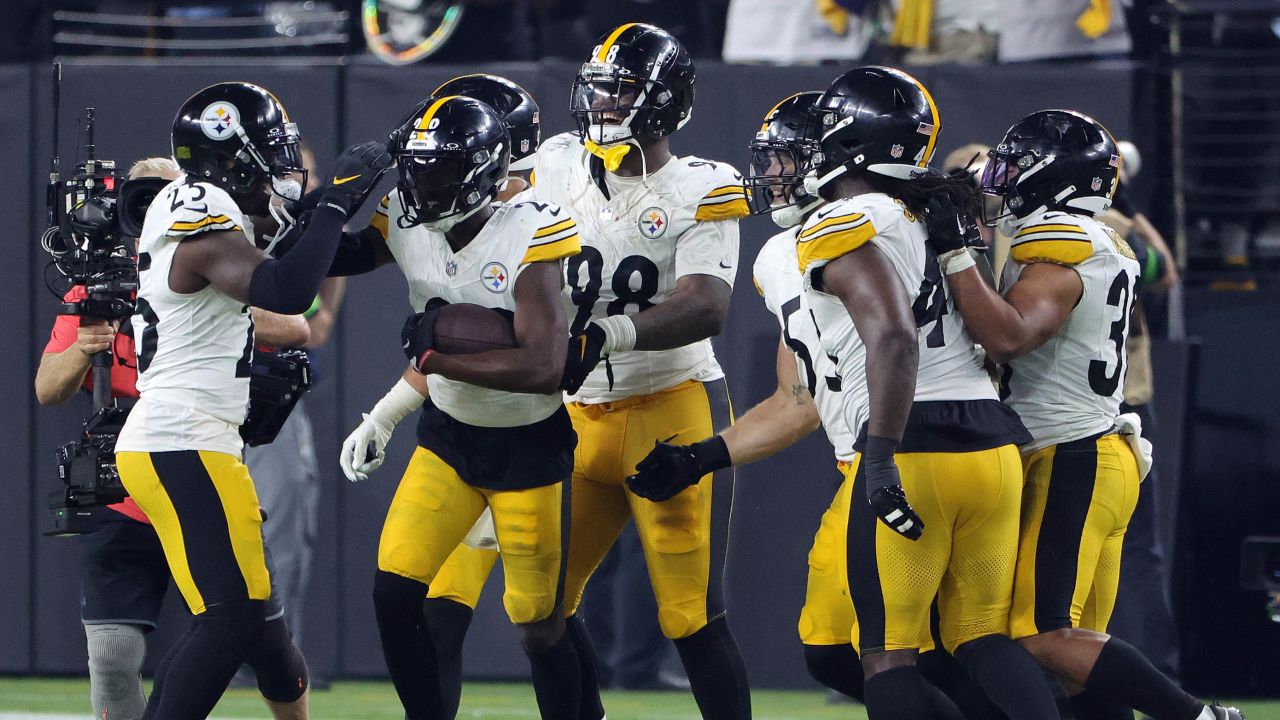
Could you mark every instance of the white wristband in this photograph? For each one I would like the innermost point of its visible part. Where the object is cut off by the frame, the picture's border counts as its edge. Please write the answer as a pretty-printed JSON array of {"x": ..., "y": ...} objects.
[
  {"x": 396, "y": 405},
  {"x": 619, "y": 333},
  {"x": 956, "y": 261}
]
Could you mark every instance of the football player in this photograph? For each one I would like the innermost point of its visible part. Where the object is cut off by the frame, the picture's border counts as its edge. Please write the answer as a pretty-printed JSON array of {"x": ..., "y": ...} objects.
[
  {"x": 455, "y": 590},
  {"x": 494, "y": 432},
  {"x": 1060, "y": 331},
  {"x": 934, "y": 500},
  {"x": 179, "y": 452},
  {"x": 808, "y": 394},
  {"x": 651, "y": 286}
]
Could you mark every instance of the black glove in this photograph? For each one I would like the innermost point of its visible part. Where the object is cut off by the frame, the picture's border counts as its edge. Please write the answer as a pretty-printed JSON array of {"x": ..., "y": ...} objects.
[
  {"x": 668, "y": 469},
  {"x": 418, "y": 336},
  {"x": 583, "y": 357},
  {"x": 884, "y": 488},
  {"x": 950, "y": 227},
  {"x": 355, "y": 173}
]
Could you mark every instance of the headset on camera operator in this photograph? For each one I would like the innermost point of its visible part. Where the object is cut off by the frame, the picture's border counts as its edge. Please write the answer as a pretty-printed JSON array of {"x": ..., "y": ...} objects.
[{"x": 124, "y": 574}]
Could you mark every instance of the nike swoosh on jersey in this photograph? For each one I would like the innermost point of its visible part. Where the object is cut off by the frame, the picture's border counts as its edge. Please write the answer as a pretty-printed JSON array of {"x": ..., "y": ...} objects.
[
  {"x": 340, "y": 181},
  {"x": 725, "y": 267}
]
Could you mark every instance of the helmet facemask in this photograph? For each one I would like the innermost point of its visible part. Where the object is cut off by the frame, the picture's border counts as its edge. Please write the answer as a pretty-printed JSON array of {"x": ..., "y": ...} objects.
[
  {"x": 776, "y": 182},
  {"x": 614, "y": 111},
  {"x": 438, "y": 188}
]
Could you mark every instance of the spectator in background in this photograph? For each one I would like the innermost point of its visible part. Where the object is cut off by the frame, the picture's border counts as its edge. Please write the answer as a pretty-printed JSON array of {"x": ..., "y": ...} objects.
[
  {"x": 1055, "y": 29},
  {"x": 1143, "y": 614},
  {"x": 801, "y": 31},
  {"x": 947, "y": 31}
]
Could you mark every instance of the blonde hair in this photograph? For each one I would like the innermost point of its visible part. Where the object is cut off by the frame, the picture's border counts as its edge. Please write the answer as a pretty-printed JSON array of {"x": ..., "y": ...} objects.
[
  {"x": 161, "y": 167},
  {"x": 971, "y": 157}
]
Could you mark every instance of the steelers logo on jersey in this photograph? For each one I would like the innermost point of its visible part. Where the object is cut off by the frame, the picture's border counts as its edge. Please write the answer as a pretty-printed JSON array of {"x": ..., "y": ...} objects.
[
  {"x": 220, "y": 120},
  {"x": 494, "y": 277},
  {"x": 653, "y": 222}
]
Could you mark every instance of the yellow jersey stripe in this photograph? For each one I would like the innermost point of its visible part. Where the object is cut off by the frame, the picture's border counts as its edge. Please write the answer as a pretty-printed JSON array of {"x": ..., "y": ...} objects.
[
  {"x": 1063, "y": 251},
  {"x": 554, "y": 228},
  {"x": 838, "y": 219},
  {"x": 204, "y": 222},
  {"x": 384, "y": 203},
  {"x": 732, "y": 210},
  {"x": 725, "y": 190},
  {"x": 834, "y": 244},
  {"x": 380, "y": 222},
  {"x": 754, "y": 281},
  {"x": 1042, "y": 228},
  {"x": 563, "y": 248},
  {"x": 613, "y": 38}
]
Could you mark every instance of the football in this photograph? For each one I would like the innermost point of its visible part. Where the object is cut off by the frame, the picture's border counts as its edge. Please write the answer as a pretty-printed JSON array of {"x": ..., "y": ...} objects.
[{"x": 466, "y": 329}]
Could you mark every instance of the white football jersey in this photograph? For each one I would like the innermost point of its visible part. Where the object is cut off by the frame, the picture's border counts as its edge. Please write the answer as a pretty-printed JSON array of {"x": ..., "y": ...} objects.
[
  {"x": 194, "y": 350},
  {"x": 636, "y": 243},
  {"x": 483, "y": 273},
  {"x": 950, "y": 364},
  {"x": 778, "y": 279},
  {"x": 1071, "y": 387}
]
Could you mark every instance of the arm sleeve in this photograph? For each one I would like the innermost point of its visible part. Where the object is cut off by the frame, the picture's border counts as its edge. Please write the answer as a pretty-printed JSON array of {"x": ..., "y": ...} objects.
[
  {"x": 709, "y": 248},
  {"x": 288, "y": 285},
  {"x": 65, "y": 327}
]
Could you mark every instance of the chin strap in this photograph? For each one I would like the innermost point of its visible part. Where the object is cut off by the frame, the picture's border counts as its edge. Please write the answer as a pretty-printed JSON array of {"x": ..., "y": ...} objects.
[{"x": 612, "y": 156}]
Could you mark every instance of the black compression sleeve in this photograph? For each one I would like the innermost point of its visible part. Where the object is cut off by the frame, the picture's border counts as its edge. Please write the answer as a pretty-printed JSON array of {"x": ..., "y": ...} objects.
[
  {"x": 288, "y": 285},
  {"x": 355, "y": 256}
]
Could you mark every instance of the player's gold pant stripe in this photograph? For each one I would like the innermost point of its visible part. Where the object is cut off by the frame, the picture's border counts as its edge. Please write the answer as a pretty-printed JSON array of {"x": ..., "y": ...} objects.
[
  {"x": 432, "y": 511},
  {"x": 1077, "y": 502},
  {"x": 966, "y": 557},
  {"x": 206, "y": 513},
  {"x": 685, "y": 538}
]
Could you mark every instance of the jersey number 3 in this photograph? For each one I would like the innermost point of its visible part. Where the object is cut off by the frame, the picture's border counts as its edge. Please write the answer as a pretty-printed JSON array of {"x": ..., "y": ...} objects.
[{"x": 1120, "y": 295}]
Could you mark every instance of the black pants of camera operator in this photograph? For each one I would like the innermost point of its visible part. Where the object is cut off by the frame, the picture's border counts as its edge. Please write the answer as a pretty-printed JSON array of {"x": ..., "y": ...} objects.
[{"x": 209, "y": 527}]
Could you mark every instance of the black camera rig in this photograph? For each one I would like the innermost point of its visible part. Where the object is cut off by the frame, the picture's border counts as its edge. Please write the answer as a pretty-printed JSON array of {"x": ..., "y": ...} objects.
[{"x": 87, "y": 468}]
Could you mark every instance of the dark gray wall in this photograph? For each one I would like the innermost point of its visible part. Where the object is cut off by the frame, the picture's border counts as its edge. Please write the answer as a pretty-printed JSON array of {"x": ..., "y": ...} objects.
[{"x": 780, "y": 499}]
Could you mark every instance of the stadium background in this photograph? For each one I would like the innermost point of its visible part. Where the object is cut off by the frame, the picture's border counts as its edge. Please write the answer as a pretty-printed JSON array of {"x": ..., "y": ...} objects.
[{"x": 1217, "y": 393}]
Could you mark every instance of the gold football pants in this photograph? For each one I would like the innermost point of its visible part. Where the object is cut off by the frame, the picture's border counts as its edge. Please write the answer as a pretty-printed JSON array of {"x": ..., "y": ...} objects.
[
  {"x": 969, "y": 503},
  {"x": 1077, "y": 501},
  {"x": 684, "y": 539},
  {"x": 205, "y": 511},
  {"x": 432, "y": 511}
]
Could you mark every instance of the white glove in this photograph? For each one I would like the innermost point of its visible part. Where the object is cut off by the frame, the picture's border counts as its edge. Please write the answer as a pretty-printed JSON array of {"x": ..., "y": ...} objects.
[
  {"x": 1130, "y": 427},
  {"x": 364, "y": 449}
]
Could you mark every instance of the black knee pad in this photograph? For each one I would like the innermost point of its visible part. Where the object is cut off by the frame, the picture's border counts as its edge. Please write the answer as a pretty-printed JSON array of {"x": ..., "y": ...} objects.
[
  {"x": 836, "y": 667},
  {"x": 279, "y": 665}
]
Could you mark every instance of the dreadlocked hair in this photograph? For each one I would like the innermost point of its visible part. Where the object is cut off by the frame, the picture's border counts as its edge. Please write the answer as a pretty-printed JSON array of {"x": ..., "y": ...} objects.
[{"x": 915, "y": 193}]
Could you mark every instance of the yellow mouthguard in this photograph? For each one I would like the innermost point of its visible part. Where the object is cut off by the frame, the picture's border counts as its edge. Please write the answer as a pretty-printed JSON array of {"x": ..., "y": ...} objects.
[{"x": 612, "y": 157}]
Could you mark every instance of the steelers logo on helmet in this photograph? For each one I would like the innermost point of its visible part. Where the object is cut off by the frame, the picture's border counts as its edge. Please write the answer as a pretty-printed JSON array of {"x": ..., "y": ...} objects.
[
  {"x": 220, "y": 120},
  {"x": 653, "y": 222},
  {"x": 494, "y": 277}
]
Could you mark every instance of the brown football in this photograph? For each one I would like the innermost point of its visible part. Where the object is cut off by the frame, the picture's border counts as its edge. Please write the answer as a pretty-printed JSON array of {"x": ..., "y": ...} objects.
[{"x": 466, "y": 329}]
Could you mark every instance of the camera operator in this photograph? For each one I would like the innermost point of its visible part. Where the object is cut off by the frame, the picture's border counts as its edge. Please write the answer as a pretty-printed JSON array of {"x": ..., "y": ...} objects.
[{"x": 124, "y": 575}]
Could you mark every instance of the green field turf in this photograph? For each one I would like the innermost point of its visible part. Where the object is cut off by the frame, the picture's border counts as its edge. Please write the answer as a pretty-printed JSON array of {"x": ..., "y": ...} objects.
[{"x": 32, "y": 697}]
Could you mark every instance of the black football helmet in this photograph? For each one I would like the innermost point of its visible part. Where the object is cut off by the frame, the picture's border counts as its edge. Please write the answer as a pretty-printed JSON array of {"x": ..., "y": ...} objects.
[
  {"x": 451, "y": 159},
  {"x": 780, "y": 156},
  {"x": 873, "y": 119},
  {"x": 637, "y": 85},
  {"x": 236, "y": 135},
  {"x": 1052, "y": 159},
  {"x": 514, "y": 104}
]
